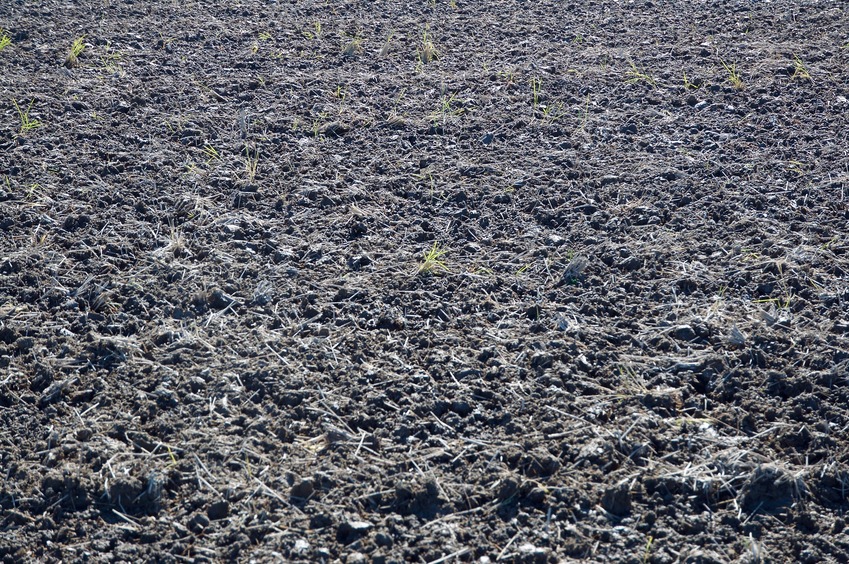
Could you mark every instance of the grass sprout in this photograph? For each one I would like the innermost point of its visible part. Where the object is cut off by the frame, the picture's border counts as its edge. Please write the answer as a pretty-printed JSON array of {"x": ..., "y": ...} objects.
[
  {"x": 734, "y": 77},
  {"x": 5, "y": 40},
  {"x": 27, "y": 123},
  {"x": 387, "y": 44},
  {"x": 77, "y": 48},
  {"x": 554, "y": 112},
  {"x": 445, "y": 109},
  {"x": 636, "y": 75},
  {"x": 251, "y": 163},
  {"x": 211, "y": 154},
  {"x": 536, "y": 88},
  {"x": 800, "y": 71},
  {"x": 432, "y": 260},
  {"x": 688, "y": 85},
  {"x": 353, "y": 48},
  {"x": 427, "y": 51},
  {"x": 315, "y": 33}
]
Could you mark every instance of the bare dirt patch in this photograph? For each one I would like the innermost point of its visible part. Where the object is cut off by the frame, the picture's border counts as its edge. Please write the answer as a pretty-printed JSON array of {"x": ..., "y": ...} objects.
[{"x": 388, "y": 282}]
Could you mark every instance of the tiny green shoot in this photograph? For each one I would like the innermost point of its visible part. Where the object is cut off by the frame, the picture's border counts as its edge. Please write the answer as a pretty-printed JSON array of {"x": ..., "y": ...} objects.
[
  {"x": 251, "y": 163},
  {"x": 27, "y": 123},
  {"x": 433, "y": 261},
  {"x": 636, "y": 75},
  {"x": 387, "y": 44},
  {"x": 800, "y": 71},
  {"x": 77, "y": 48},
  {"x": 5, "y": 40},
  {"x": 354, "y": 47},
  {"x": 211, "y": 154},
  {"x": 647, "y": 551},
  {"x": 536, "y": 88},
  {"x": 427, "y": 51},
  {"x": 734, "y": 77},
  {"x": 688, "y": 85},
  {"x": 554, "y": 112},
  {"x": 315, "y": 33}
]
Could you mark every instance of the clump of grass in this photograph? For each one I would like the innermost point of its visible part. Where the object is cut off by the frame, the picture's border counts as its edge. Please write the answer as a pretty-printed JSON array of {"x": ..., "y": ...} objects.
[
  {"x": 636, "y": 75},
  {"x": 536, "y": 88},
  {"x": 427, "y": 51},
  {"x": 211, "y": 154},
  {"x": 800, "y": 71},
  {"x": 688, "y": 84},
  {"x": 315, "y": 33},
  {"x": 251, "y": 163},
  {"x": 387, "y": 44},
  {"x": 27, "y": 123},
  {"x": 445, "y": 109},
  {"x": 353, "y": 47},
  {"x": 77, "y": 48},
  {"x": 5, "y": 40},
  {"x": 734, "y": 77},
  {"x": 433, "y": 262}
]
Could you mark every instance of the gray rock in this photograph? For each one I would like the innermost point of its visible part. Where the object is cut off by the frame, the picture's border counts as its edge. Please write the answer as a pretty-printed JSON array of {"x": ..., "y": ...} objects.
[{"x": 684, "y": 333}]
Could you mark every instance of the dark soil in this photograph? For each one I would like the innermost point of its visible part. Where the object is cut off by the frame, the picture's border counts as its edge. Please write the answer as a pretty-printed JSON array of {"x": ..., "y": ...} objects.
[{"x": 220, "y": 339}]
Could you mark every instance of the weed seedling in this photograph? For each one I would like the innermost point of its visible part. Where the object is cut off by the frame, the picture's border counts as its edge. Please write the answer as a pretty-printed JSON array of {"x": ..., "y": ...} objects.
[
  {"x": 689, "y": 85},
  {"x": 508, "y": 76},
  {"x": 354, "y": 47},
  {"x": 211, "y": 154},
  {"x": 800, "y": 72},
  {"x": 111, "y": 61},
  {"x": 387, "y": 44},
  {"x": 5, "y": 40},
  {"x": 315, "y": 33},
  {"x": 552, "y": 113},
  {"x": 433, "y": 262},
  {"x": 733, "y": 76},
  {"x": 76, "y": 49},
  {"x": 647, "y": 551},
  {"x": 536, "y": 88},
  {"x": 636, "y": 75},
  {"x": 427, "y": 51},
  {"x": 251, "y": 163},
  {"x": 444, "y": 110},
  {"x": 27, "y": 123},
  {"x": 586, "y": 114}
]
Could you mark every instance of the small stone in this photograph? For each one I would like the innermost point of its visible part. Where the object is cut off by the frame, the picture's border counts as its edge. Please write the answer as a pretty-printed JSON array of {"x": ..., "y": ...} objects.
[
  {"x": 384, "y": 540},
  {"x": 303, "y": 489},
  {"x": 198, "y": 523},
  {"x": 218, "y": 510},
  {"x": 301, "y": 547},
  {"x": 617, "y": 500},
  {"x": 684, "y": 333},
  {"x": 554, "y": 240},
  {"x": 532, "y": 553},
  {"x": 630, "y": 264},
  {"x": 356, "y": 558},
  {"x": 349, "y": 531}
]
